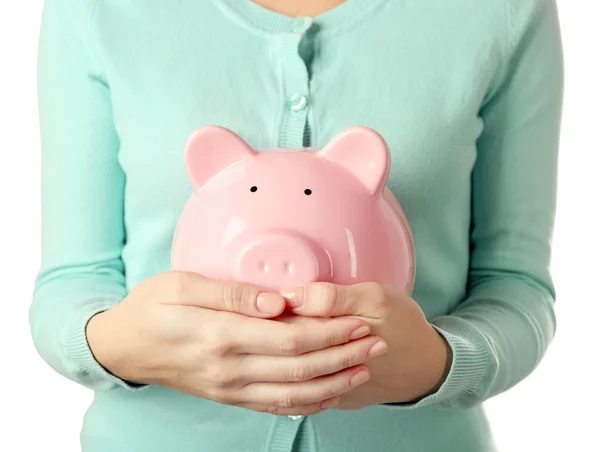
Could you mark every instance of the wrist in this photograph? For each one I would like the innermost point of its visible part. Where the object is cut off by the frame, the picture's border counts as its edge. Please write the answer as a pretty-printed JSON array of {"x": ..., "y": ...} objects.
[
  {"x": 444, "y": 359},
  {"x": 437, "y": 366},
  {"x": 440, "y": 364},
  {"x": 99, "y": 336},
  {"x": 99, "y": 331}
]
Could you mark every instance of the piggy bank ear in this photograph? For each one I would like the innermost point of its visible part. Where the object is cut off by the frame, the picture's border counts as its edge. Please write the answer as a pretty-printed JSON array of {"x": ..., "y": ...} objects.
[
  {"x": 211, "y": 149},
  {"x": 364, "y": 153}
]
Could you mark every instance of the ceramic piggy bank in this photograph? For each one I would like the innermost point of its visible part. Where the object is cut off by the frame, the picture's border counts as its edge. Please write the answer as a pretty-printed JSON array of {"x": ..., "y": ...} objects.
[{"x": 280, "y": 218}]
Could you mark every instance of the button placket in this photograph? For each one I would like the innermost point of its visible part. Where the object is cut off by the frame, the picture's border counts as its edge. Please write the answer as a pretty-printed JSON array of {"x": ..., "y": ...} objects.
[
  {"x": 284, "y": 433},
  {"x": 295, "y": 86}
]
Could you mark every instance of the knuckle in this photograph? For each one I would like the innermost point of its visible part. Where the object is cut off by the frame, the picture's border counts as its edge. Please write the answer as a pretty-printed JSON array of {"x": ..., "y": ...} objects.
[
  {"x": 235, "y": 296},
  {"x": 220, "y": 348},
  {"x": 230, "y": 296},
  {"x": 291, "y": 346},
  {"x": 332, "y": 339},
  {"x": 349, "y": 360},
  {"x": 220, "y": 378},
  {"x": 301, "y": 372},
  {"x": 328, "y": 295},
  {"x": 287, "y": 400},
  {"x": 271, "y": 409},
  {"x": 221, "y": 337},
  {"x": 179, "y": 285},
  {"x": 378, "y": 294}
]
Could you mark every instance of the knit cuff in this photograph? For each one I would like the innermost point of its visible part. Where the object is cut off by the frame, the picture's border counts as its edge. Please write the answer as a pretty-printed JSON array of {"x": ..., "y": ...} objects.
[
  {"x": 471, "y": 371},
  {"x": 79, "y": 354}
]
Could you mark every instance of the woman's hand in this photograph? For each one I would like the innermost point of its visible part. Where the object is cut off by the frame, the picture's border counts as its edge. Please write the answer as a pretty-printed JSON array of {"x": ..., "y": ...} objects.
[
  {"x": 418, "y": 358},
  {"x": 210, "y": 339}
]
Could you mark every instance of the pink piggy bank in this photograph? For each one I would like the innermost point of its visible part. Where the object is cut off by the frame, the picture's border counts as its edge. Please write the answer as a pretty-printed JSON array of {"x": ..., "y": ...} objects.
[{"x": 282, "y": 218}]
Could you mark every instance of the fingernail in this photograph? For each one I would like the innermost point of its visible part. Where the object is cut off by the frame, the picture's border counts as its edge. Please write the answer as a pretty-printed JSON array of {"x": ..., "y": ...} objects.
[
  {"x": 294, "y": 296},
  {"x": 359, "y": 378},
  {"x": 330, "y": 403},
  {"x": 377, "y": 350},
  {"x": 359, "y": 332},
  {"x": 269, "y": 303}
]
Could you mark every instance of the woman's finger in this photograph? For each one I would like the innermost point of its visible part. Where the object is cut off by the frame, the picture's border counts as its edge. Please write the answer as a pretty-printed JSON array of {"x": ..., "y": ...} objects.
[
  {"x": 192, "y": 289},
  {"x": 311, "y": 365},
  {"x": 321, "y": 299},
  {"x": 306, "y": 410},
  {"x": 295, "y": 395},
  {"x": 271, "y": 337}
]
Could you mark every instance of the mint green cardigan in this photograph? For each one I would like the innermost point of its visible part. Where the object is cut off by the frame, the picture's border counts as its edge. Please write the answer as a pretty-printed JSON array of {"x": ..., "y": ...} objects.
[{"x": 468, "y": 95}]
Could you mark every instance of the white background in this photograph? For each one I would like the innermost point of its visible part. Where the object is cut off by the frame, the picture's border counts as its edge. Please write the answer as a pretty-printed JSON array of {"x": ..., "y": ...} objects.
[{"x": 552, "y": 410}]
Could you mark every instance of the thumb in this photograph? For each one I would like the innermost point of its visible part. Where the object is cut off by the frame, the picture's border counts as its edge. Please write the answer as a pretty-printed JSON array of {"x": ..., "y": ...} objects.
[
  {"x": 332, "y": 300},
  {"x": 220, "y": 295}
]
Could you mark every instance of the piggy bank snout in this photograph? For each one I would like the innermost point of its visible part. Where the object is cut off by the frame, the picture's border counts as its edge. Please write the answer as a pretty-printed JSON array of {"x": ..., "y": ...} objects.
[{"x": 276, "y": 261}]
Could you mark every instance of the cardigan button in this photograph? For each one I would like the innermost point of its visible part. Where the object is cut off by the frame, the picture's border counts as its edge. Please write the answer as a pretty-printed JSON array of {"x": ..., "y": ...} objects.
[
  {"x": 297, "y": 102},
  {"x": 295, "y": 418}
]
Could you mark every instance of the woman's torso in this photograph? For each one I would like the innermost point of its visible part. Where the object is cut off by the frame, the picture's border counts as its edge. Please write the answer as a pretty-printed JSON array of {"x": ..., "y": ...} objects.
[{"x": 417, "y": 72}]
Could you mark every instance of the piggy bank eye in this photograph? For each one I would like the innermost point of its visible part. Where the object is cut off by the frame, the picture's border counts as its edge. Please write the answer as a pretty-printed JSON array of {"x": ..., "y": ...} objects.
[
  {"x": 253, "y": 189},
  {"x": 308, "y": 192}
]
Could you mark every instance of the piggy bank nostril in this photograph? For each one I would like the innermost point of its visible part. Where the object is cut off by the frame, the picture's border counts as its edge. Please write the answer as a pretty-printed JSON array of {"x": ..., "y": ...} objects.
[
  {"x": 288, "y": 267},
  {"x": 263, "y": 267}
]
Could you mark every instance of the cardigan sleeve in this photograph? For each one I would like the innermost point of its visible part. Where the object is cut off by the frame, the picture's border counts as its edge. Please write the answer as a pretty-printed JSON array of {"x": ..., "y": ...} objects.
[
  {"x": 83, "y": 235},
  {"x": 501, "y": 330}
]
